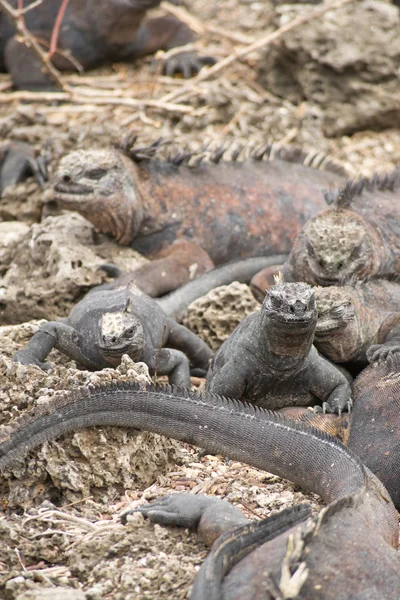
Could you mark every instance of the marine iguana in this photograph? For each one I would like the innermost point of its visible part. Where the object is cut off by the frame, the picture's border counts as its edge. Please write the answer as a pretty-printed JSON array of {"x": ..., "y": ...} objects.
[
  {"x": 358, "y": 236},
  {"x": 351, "y": 319},
  {"x": 269, "y": 358},
  {"x": 106, "y": 324},
  {"x": 230, "y": 209},
  {"x": 95, "y": 32},
  {"x": 348, "y": 549}
]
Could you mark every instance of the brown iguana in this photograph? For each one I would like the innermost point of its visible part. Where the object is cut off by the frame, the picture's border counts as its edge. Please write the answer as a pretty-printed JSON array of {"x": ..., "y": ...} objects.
[
  {"x": 94, "y": 32},
  {"x": 358, "y": 236},
  {"x": 351, "y": 319},
  {"x": 230, "y": 209},
  {"x": 269, "y": 359},
  {"x": 347, "y": 551}
]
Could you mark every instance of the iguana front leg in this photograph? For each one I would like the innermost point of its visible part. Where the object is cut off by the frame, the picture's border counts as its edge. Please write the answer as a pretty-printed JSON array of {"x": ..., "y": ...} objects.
[
  {"x": 54, "y": 334},
  {"x": 328, "y": 384},
  {"x": 172, "y": 363},
  {"x": 164, "y": 33},
  {"x": 18, "y": 162},
  {"x": 390, "y": 347},
  {"x": 198, "y": 352},
  {"x": 218, "y": 522}
]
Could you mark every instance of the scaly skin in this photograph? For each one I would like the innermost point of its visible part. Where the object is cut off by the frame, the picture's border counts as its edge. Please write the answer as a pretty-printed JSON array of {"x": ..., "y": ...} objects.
[
  {"x": 95, "y": 32},
  {"x": 358, "y": 237},
  {"x": 231, "y": 210},
  {"x": 269, "y": 359},
  {"x": 351, "y": 319},
  {"x": 106, "y": 324},
  {"x": 349, "y": 550},
  {"x": 375, "y": 422}
]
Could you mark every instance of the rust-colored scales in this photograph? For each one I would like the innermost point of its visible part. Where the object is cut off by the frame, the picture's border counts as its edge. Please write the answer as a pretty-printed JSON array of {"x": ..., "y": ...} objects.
[
  {"x": 230, "y": 209},
  {"x": 357, "y": 237},
  {"x": 353, "y": 318}
]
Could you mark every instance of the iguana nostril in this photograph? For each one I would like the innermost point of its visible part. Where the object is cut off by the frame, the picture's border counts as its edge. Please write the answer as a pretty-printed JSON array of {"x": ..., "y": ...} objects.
[{"x": 66, "y": 179}]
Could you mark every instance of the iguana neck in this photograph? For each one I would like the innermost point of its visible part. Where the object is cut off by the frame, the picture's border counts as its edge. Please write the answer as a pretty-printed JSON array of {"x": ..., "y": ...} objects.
[{"x": 284, "y": 342}]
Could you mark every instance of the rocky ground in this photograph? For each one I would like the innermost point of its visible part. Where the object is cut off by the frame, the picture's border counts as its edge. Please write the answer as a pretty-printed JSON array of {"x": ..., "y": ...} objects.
[{"x": 329, "y": 86}]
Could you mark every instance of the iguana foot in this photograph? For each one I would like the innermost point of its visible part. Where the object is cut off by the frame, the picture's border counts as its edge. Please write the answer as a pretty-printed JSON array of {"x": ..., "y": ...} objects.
[
  {"x": 26, "y": 359},
  {"x": 382, "y": 352},
  {"x": 18, "y": 162},
  {"x": 327, "y": 408},
  {"x": 186, "y": 63},
  {"x": 181, "y": 510}
]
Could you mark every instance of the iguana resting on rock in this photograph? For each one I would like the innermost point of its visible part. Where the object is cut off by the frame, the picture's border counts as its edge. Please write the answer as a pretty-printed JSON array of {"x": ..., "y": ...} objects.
[
  {"x": 358, "y": 236},
  {"x": 269, "y": 359},
  {"x": 347, "y": 551},
  {"x": 351, "y": 319},
  {"x": 106, "y": 324},
  {"x": 92, "y": 33},
  {"x": 230, "y": 209}
]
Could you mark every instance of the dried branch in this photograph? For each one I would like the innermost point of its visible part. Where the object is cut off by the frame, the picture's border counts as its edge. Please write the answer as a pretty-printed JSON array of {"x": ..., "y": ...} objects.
[
  {"x": 16, "y": 16},
  {"x": 263, "y": 42}
]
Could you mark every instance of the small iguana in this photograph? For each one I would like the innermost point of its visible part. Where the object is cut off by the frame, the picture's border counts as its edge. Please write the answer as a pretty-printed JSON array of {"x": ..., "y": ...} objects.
[
  {"x": 352, "y": 318},
  {"x": 347, "y": 551},
  {"x": 106, "y": 324},
  {"x": 269, "y": 359},
  {"x": 231, "y": 209},
  {"x": 92, "y": 33},
  {"x": 357, "y": 237}
]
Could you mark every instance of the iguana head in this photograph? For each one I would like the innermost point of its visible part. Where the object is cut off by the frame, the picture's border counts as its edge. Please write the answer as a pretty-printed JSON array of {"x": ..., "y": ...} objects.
[
  {"x": 100, "y": 186},
  {"x": 333, "y": 247},
  {"x": 337, "y": 333},
  {"x": 121, "y": 332},
  {"x": 289, "y": 316},
  {"x": 291, "y": 304}
]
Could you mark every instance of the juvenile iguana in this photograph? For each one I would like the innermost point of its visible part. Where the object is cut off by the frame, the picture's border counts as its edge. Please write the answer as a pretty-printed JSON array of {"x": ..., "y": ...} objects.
[
  {"x": 358, "y": 236},
  {"x": 106, "y": 324},
  {"x": 351, "y": 319},
  {"x": 269, "y": 358},
  {"x": 349, "y": 549},
  {"x": 231, "y": 209},
  {"x": 94, "y": 32}
]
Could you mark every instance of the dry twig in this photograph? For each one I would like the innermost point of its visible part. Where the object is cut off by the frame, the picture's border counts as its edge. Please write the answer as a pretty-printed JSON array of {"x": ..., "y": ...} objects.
[{"x": 263, "y": 42}]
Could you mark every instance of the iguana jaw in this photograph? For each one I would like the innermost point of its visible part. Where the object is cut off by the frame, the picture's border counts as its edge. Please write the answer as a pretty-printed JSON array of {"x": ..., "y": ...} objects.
[
  {"x": 120, "y": 333},
  {"x": 98, "y": 185}
]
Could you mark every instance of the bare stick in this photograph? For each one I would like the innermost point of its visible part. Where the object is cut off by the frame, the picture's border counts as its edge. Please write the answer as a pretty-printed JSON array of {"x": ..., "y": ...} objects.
[
  {"x": 266, "y": 40},
  {"x": 16, "y": 16}
]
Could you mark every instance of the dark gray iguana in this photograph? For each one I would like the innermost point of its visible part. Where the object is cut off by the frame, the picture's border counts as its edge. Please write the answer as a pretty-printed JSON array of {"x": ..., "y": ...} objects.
[
  {"x": 230, "y": 209},
  {"x": 92, "y": 33},
  {"x": 117, "y": 318},
  {"x": 269, "y": 358},
  {"x": 106, "y": 324},
  {"x": 347, "y": 551}
]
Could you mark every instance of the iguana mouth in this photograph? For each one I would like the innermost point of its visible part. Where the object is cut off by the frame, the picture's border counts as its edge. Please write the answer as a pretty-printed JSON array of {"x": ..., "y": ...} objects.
[
  {"x": 327, "y": 327},
  {"x": 72, "y": 189}
]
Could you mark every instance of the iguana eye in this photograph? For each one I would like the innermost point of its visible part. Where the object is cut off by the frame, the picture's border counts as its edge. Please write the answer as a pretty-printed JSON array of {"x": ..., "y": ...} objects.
[
  {"x": 95, "y": 174},
  {"x": 275, "y": 302}
]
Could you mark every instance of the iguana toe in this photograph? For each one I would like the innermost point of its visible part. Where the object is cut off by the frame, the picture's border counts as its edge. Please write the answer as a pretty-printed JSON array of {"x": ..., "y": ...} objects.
[{"x": 181, "y": 510}]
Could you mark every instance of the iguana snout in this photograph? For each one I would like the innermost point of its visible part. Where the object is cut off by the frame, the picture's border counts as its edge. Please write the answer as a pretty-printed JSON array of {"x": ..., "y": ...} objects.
[{"x": 292, "y": 303}]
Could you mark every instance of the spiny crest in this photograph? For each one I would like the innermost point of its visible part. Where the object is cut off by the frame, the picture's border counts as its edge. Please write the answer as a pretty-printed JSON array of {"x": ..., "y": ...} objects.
[
  {"x": 267, "y": 152},
  {"x": 66, "y": 398},
  {"x": 353, "y": 188}
]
